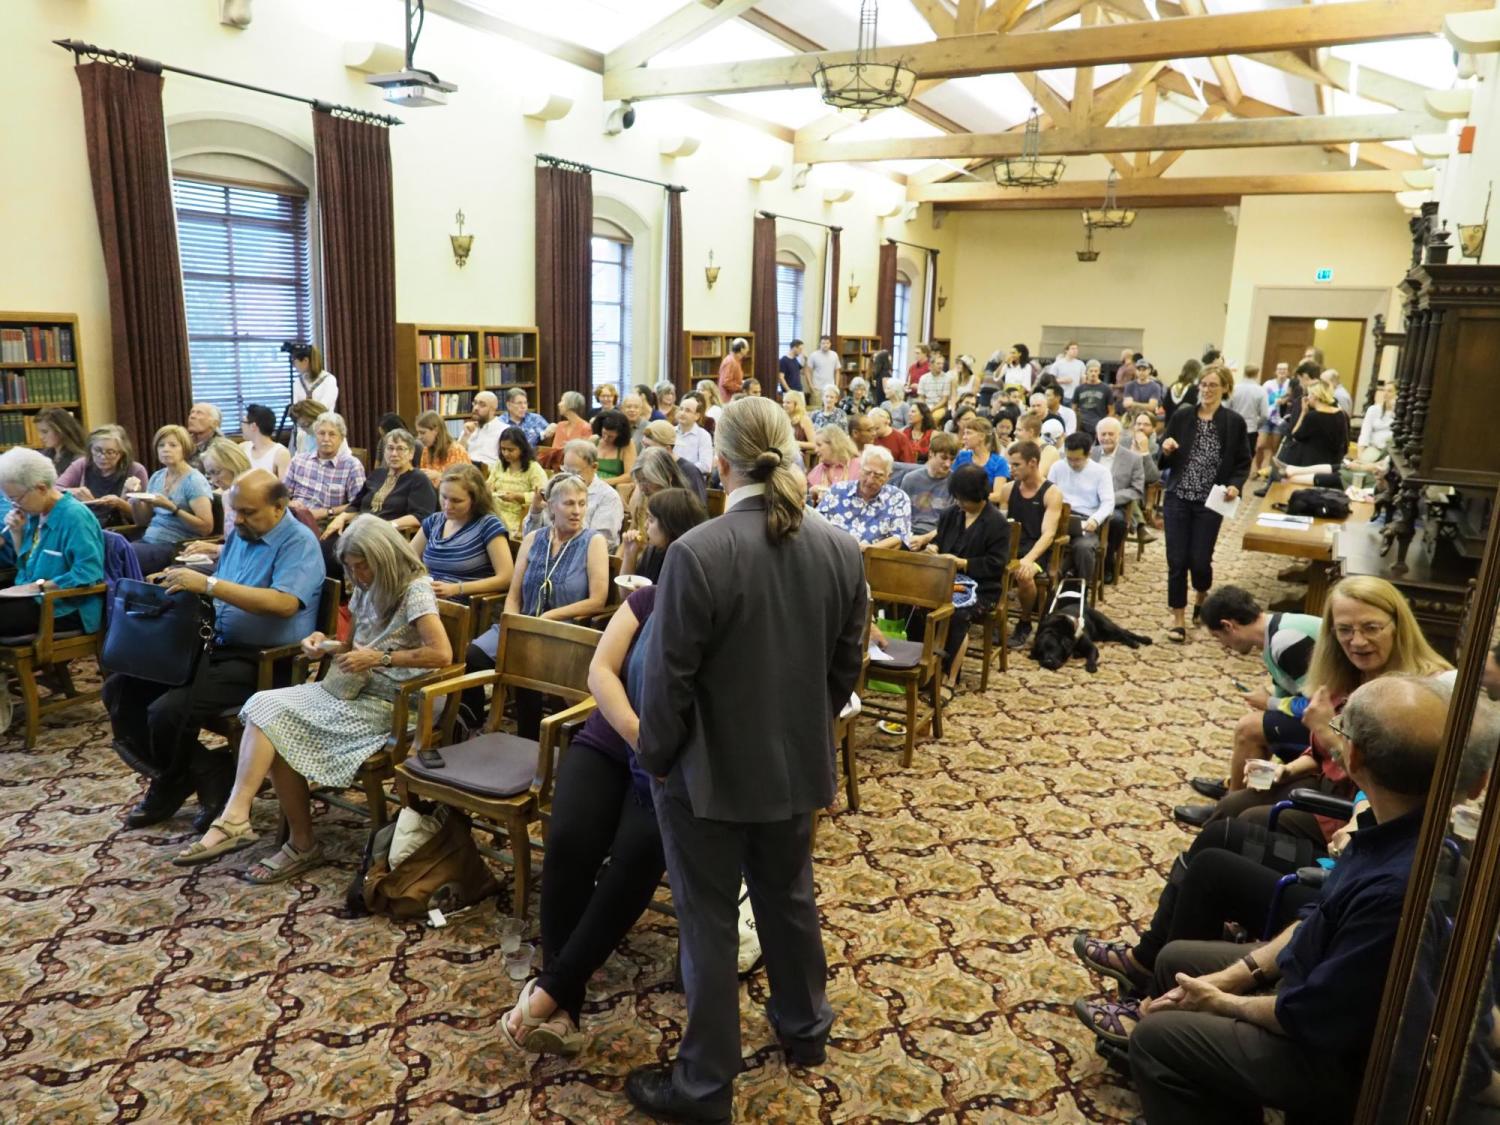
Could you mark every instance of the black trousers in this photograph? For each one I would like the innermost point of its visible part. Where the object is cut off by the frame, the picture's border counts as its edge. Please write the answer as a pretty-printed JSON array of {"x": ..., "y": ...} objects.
[
  {"x": 154, "y": 557},
  {"x": 1192, "y": 530},
  {"x": 162, "y": 723},
  {"x": 529, "y": 704},
  {"x": 1228, "y": 875},
  {"x": 706, "y": 858},
  {"x": 958, "y": 629},
  {"x": 22, "y": 616},
  {"x": 1194, "y": 1067},
  {"x": 596, "y": 816},
  {"x": 1254, "y": 806},
  {"x": 1114, "y": 531}
]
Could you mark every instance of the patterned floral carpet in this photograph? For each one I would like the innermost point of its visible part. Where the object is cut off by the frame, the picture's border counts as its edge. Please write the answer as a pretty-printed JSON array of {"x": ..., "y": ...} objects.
[{"x": 131, "y": 990}]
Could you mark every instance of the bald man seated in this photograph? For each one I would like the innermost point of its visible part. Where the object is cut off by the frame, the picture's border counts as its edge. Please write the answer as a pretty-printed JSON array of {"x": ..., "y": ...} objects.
[
  {"x": 481, "y": 433},
  {"x": 265, "y": 589},
  {"x": 1287, "y": 1024}
]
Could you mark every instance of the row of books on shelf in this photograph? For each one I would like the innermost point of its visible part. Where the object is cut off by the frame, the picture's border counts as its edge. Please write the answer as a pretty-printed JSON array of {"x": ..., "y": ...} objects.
[
  {"x": 451, "y": 403},
  {"x": 446, "y": 375},
  {"x": 43, "y": 384},
  {"x": 509, "y": 345},
  {"x": 18, "y": 429},
  {"x": 705, "y": 368},
  {"x": 508, "y": 374},
  {"x": 709, "y": 346},
  {"x": 36, "y": 345},
  {"x": 445, "y": 346}
]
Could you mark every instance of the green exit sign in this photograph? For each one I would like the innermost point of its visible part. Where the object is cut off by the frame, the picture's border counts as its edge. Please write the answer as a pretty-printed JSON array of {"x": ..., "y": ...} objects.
[{"x": 1323, "y": 276}]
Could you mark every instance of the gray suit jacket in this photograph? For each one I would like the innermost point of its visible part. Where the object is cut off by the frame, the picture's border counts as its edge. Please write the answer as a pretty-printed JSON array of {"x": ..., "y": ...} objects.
[
  {"x": 754, "y": 650},
  {"x": 1129, "y": 472}
]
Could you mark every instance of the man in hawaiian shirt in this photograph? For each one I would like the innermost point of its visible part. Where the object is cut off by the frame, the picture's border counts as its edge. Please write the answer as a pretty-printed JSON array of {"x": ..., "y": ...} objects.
[{"x": 871, "y": 509}]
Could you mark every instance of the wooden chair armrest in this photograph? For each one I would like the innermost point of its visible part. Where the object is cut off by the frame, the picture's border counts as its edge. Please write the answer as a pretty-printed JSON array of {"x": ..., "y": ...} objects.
[
  {"x": 936, "y": 632},
  {"x": 270, "y": 657},
  {"x": 431, "y": 692},
  {"x": 558, "y": 730},
  {"x": 402, "y": 707},
  {"x": 483, "y": 608},
  {"x": 46, "y": 623}
]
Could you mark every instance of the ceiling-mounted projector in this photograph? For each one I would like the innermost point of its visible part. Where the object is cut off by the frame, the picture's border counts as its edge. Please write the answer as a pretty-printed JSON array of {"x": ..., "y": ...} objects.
[{"x": 413, "y": 88}]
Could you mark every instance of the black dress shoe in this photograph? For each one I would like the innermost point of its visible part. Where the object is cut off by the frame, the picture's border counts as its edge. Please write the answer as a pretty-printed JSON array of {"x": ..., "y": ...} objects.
[
  {"x": 162, "y": 800},
  {"x": 131, "y": 755},
  {"x": 798, "y": 1052},
  {"x": 1209, "y": 787},
  {"x": 650, "y": 1090},
  {"x": 1194, "y": 816}
]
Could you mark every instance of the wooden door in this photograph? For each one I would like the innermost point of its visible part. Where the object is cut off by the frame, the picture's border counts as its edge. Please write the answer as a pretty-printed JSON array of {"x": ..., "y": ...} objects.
[{"x": 1287, "y": 339}]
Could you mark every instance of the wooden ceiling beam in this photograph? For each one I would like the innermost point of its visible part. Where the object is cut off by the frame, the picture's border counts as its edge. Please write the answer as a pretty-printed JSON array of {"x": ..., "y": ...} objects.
[
  {"x": 1132, "y": 191},
  {"x": 682, "y": 26},
  {"x": 1206, "y": 133},
  {"x": 1110, "y": 99},
  {"x": 966, "y": 22},
  {"x": 939, "y": 14},
  {"x": 1147, "y": 118},
  {"x": 1374, "y": 85},
  {"x": 1277, "y": 29}
]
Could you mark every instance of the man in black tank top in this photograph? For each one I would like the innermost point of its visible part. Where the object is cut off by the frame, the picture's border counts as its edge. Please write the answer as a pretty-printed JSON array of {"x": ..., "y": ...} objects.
[{"x": 1035, "y": 507}]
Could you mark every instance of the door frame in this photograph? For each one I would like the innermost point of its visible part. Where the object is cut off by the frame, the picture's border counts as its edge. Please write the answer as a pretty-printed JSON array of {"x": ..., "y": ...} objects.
[{"x": 1325, "y": 301}]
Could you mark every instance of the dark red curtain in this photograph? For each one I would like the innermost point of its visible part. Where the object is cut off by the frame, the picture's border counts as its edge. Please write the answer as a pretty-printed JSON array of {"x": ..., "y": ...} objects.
[
  {"x": 127, "y": 145},
  {"x": 359, "y": 267},
  {"x": 677, "y": 373},
  {"x": 833, "y": 285},
  {"x": 564, "y": 282},
  {"x": 763, "y": 301},
  {"x": 885, "y": 297}
]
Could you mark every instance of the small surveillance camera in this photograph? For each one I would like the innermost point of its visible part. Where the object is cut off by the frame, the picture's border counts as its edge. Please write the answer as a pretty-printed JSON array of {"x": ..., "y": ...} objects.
[{"x": 619, "y": 119}]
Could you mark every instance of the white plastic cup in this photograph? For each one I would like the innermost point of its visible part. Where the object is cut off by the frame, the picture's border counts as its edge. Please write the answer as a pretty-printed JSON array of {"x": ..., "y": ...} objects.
[
  {"x": 518, "y": 962},
  {"x": 1260, "y": 774},
  {"x": 511, "y": 930}
]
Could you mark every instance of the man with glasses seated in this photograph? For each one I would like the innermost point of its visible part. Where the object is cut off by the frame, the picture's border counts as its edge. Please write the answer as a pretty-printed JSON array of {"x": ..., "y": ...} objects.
[{"x": 871, "y": 509}]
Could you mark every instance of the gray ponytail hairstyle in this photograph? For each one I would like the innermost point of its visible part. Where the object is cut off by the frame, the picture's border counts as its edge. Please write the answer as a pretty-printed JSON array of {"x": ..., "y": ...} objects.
[{"x": 755, "y": 437}]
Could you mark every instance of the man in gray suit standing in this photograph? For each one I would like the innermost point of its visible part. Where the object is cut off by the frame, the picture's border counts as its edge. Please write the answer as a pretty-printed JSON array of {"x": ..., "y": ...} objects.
[
  {"x": 1128, "y": 470},
  {"x": 737, "y": 722}
]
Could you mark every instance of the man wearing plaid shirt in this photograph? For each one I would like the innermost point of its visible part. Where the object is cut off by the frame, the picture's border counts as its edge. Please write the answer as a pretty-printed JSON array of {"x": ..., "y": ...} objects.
[{"x": 325, "y": 480}]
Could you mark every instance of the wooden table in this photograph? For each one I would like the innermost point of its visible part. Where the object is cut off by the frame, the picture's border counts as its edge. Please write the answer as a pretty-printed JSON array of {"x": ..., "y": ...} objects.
[{"x": 1316, "y": 544}]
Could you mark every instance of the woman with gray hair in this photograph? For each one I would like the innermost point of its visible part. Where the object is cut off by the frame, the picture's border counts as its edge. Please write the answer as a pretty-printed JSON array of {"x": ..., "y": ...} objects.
[
  {"x": 397, "y": 491},
  {"x": 322, "y": 732},
  {"x": 52, "y": 541}
]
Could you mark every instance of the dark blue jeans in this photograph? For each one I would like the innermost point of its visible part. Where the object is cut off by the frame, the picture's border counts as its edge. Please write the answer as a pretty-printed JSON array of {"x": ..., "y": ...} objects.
[{"x": 1192, "y": 531}]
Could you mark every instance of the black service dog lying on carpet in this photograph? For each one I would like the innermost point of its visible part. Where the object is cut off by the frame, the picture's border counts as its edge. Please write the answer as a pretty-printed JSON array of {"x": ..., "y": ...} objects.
[{"x": 1059, "y": 637}]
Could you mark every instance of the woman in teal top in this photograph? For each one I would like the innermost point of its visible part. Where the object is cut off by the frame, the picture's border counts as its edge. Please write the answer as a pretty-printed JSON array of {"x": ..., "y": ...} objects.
[
  {"x": 53, "y": 541},
  {"x": 177, "y": 503}
]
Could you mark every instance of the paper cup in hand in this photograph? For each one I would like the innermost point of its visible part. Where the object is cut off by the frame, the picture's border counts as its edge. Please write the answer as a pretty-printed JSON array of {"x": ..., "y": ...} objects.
[{"x": 1260, "y": 774}]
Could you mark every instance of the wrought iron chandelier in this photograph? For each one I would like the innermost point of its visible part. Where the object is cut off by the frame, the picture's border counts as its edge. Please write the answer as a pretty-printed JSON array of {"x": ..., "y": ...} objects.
[
  {"x": 1088, "y": 253},
  {"x": 865, "y": 83},
  {"x": 1029, "y": 170},
  {"x": 1111, "y": 216}
]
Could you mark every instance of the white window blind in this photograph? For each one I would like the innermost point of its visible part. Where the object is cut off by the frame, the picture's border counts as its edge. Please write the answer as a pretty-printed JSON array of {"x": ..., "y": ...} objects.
[
  {"x": 246, "y": 280},
  {"x": 613, "y": 283},
  {"x": 789, "y": 279},
  {"x": 902, "y": 328}
]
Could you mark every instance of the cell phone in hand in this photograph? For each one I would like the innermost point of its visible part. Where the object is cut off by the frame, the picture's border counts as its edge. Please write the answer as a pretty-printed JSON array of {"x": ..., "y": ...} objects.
[{"x": 1239, "y": 685}]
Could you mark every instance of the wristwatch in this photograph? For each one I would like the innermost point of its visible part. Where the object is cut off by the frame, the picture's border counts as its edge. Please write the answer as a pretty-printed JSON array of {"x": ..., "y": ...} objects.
[
  {"x": 212, "y": 582},
  {"x": 385, "y": 659}
]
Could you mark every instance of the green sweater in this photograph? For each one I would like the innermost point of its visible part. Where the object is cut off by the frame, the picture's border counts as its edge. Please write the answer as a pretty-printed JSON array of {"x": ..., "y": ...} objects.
[{"x": 69, "y": 551}]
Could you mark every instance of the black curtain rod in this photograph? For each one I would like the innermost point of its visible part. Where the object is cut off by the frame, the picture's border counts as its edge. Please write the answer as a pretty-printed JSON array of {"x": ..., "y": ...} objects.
[
  {"x": 915, "y": 246},
  {"x": 795, "y": 219},
  {"x": 578, "y": 166},
  {"x": 151, "y": 66}
]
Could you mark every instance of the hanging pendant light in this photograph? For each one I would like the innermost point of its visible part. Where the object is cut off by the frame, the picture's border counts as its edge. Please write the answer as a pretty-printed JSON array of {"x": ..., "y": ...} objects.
[
  {"x": 1111, "y": 216},
  {"x": 1088, "y": 253},
  {"x": 1029, "y": 170},
  {"x": 865, "y": 84}
]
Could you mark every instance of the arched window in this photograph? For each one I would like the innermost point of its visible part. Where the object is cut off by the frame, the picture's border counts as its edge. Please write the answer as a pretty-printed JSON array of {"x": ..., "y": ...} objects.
[
  {"x": 613, "y": 257},
  {"x": 902, "y": 328},
  {"x": 791, "y": 274}
]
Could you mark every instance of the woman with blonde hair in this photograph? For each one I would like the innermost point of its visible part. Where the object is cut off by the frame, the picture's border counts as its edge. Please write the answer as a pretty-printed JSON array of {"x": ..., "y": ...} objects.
[
  {"x": 803, "y": 430},
  {"x": 713, "y": 402},
  {"x": 176, "y": 505},
  {"x": 439, "y": 452},
  {"x": 838, "y": 460}
]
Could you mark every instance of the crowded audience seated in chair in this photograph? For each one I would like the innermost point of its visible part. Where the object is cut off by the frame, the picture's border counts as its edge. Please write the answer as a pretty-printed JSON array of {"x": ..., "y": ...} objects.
[
  {"x": 830, "y": 414},
  {"x": 927, "y": 486},
  {"x": 1368, "y": 631},
  {"x": 397, "y": 491},
  {"x": 870, "y": 508},
  {"x": 105, "y": 478},
  {"x": 60, "y": 437},
  {"x": 176, "y": 506},
  {"x": 614, "y": 450},
  {"x": 601, "y": 811},
  {"x": 52, "y": 542},
  {"x": 662, "y": 435},
  {"x": 515, "y": 478},
  {"x": 265, "y": 588},
  {"x": 463, "y": 544},
  {"x": 480, "y": 436},
  {"x": 606, "y": 512},
  {"x": 1088, "y": 489},
  {"x": 204, "y": 424},
  {"x": 1127, "y": 474},
  {"x": 258, "y": 440},
  {"x": 322, "y": 732},
  {"x": 223, "y": 463},
  {"x": 439, "y": 452},
  {"x": 325, "y": 481},
  {"x": 1035, "y": 506},
  {"x": 694, "y": 444},
  {"x": 976, "y": 438},
  {"x": 518, "y": 412},
  {"x": 561, "y": 574}
]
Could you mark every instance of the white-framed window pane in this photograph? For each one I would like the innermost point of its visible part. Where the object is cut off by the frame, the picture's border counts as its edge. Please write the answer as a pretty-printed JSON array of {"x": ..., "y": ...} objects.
[
  {"x": 247, "y": 286},
  {"x": 901, "y": 330},
  {"x": 612, "y": 286},
  {"x": 789, "y": 288}
]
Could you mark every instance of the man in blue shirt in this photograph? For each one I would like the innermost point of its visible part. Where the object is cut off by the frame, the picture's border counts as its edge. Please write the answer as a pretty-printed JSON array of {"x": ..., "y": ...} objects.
[
  {"x": 266, "y": 590},
  {"x": 1287, "y": 1024}
]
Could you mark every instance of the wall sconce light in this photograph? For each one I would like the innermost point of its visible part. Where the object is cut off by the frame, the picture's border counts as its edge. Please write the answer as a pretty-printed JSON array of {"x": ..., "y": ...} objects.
[
  {"x": 1471, "y": 235},
  {"x": 942, "y": 298},
  {"x": 462, "y": 243},
  {"x": 853, "y": 289},
  {"x": 711, "y": 271}
]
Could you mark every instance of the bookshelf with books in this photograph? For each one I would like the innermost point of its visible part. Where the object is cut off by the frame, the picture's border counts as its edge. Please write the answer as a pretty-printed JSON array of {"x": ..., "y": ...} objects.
[
  {"x": 706, "y": 350},
  {"x": 443, "y": 366},
  {"x": 41, "y": 365},
  {"x": 854, "y": 358}
]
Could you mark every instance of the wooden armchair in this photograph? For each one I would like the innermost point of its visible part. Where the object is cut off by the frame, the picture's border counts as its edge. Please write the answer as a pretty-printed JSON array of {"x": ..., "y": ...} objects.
[
  {"x": 994, "y": 626},
  {"x": 917, "y": 581},
  {"x": 502, "y": 779},
  {"x": 51, "y": 649}
]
